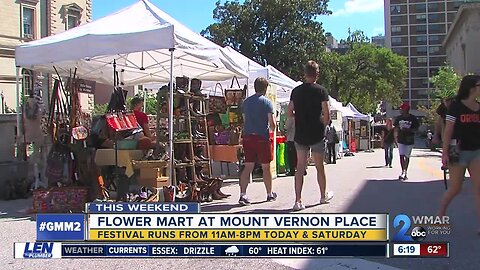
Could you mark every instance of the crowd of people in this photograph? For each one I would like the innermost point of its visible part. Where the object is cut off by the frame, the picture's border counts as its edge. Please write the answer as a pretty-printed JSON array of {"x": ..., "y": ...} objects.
[{"x": 309, "y": 130}]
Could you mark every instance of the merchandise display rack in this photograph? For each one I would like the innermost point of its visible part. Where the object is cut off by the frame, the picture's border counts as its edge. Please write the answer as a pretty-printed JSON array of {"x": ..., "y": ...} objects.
[{"x": 190, "y": 141}]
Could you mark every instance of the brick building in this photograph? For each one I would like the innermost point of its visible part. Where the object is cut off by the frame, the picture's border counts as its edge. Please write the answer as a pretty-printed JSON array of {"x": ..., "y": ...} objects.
[
  {"x": 416, "y": 30},
  {"x": 26, "y": 20}
]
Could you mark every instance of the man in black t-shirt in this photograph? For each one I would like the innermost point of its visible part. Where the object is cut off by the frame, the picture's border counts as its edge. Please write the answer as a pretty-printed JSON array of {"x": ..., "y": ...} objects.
[
  {"x": 405, "y": 126},
  {"x": 309, "y": 105}
]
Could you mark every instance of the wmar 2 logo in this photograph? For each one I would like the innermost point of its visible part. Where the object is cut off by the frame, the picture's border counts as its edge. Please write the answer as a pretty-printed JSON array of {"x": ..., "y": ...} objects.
[{"x": 403, "y": 221}]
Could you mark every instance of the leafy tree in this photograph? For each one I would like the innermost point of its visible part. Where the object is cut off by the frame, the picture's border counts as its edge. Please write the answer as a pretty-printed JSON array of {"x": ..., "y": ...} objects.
[
  {"x": 445, "y": 84},
  {"x": 365, "y": 75},
  {"x": 281, "y": 33}
]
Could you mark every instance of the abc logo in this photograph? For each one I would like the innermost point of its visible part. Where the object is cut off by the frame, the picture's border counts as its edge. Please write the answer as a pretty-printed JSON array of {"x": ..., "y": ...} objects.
[{"x": 418, "y": 234}]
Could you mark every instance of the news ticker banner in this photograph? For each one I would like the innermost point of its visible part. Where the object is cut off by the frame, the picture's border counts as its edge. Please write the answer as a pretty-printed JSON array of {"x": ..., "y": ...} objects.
[
  {"x": 154, "y": 208},
  {"x": 56, "y": 250},
  {"x": 71, "y": 227},
  {"x": 207, "y": 227}
]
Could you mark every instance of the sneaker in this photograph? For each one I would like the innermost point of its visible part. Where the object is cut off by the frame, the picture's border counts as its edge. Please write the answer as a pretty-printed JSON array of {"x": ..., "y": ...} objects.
[
  {"x": 244, "y": 201},
  {"x": 390, "y": 166},
  {"x": 328, "y": 197},
  {"x": 272, "y": 197},
  {"x": 298, "y": 206},
  {"x": 402, "y": 176}
]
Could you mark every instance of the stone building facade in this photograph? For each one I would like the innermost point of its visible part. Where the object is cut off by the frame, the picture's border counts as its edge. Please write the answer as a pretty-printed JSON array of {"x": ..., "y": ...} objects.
[
  {"x": 27, "y": 20},
  {"x": 463, "y": 40}
]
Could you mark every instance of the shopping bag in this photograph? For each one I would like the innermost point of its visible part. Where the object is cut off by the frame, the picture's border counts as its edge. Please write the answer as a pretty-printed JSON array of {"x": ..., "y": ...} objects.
[{"x": 216, "y": 103}]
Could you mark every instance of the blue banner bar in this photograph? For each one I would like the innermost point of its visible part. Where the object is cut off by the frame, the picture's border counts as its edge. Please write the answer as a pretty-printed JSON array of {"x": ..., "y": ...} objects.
[
  {"x": 233, "y": 250},
  {"x": 153, "y": 208},
  {"x": 60, "y": 227}
]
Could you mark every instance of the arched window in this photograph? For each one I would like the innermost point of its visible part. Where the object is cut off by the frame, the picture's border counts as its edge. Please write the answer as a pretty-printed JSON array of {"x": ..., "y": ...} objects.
[{"x": 27, "y": 82}]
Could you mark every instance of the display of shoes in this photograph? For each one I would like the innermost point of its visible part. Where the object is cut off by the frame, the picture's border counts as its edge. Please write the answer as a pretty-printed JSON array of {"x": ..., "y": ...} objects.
[{"x": 195, "y": 113}]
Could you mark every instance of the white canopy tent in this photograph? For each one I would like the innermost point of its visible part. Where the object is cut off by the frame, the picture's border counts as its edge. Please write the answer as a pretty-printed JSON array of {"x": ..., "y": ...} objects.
[
  {"x": 357, "y": 114},
  {"x": 360, "y": 116},
  {"x": 138, "y": 38},
  {"x": 254, "y": 70},
  {"x": 146, "y": 43}
]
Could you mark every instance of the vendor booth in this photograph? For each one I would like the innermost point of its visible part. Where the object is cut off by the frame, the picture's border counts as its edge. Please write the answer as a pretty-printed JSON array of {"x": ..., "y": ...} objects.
[
  {"x": 359, "y": 129},
  {"x": 139, "y": 44}
]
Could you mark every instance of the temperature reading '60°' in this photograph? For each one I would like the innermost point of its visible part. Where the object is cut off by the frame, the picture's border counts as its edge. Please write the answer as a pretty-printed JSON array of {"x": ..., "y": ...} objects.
[
  {"x": 254, "y": 250},
  {"x": 322, "y": 250}
]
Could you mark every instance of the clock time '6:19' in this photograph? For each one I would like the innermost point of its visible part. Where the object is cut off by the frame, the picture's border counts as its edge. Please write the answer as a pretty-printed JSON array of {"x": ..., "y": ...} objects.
[{"x": 406, "y": 249}]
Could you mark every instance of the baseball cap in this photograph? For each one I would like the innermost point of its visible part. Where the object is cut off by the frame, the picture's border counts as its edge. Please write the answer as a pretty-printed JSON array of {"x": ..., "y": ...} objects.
[{"x": 405, "y": 106}]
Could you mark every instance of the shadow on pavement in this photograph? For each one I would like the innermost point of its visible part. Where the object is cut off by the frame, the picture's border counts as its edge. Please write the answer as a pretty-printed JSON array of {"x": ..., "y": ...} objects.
[
  {"x": 422, "y": 198},
  {"x": 16, "y": 210},
  {"x": 375, "y": 167},
  {"x": 393, "y": 196}
]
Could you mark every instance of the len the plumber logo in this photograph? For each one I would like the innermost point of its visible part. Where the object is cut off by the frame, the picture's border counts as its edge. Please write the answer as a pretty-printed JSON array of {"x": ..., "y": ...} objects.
[{"x": 423, "y": 226}]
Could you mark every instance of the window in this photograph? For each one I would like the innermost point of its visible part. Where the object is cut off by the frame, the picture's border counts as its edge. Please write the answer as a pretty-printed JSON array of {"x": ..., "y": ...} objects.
[
  {"x": 420, "y": 72},
  {"x": 421, "y": 60},
  {"x": 457, "y": 4},
  {"x": 434, "y": 27},
  {"x": 71, "y": 15},
  {"x": 395, "y": 9},
  {"x": 396, "y": 29},
  {"x": 421, "y": 17},
  {"x": 421, "y": 28},
  {"x": 422, "y": 39},
  {"x": 420, "y": 7},
  {"x": 433, "y": 17},
  {"x": 397, "y": 19},
  {"x": 28, "y": 22},
  {"x": 434, "y": 49},
  {"x": 27, "y": 81},
  {"x": 421, "y": 49},
  {"x": 398, "y": 50},
  {"x": 433, "y": 7},
  {"x": 72, "y": 21},
  {"x": 396, "y": 40},
  {"x": 434, "y": 38}
]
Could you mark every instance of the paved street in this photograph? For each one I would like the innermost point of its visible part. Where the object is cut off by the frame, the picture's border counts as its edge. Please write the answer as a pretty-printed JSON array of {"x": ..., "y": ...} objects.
[{"x": 361, "y": 185}]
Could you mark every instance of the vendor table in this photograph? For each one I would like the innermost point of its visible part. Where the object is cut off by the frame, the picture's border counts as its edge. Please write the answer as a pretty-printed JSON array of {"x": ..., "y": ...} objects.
[
  {"x": 224, "y": 154},
  {"x": 106, "y": 157}
]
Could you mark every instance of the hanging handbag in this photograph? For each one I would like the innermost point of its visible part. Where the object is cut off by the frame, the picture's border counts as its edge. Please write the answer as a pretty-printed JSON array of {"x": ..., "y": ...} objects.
[
  {"x": 234, "y": 96},
  {"x": 216, "y": 103}
]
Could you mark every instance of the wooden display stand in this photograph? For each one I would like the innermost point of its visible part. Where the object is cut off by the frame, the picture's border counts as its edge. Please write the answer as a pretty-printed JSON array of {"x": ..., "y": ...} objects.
[
  {"x": 152, "y": 173},
  {"x": 189, "y": 141}
]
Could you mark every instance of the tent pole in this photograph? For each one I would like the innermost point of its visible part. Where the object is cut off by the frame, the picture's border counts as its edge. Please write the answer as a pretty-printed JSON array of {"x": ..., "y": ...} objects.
[
  {"x": 170, "y": 126},
  {"x": 17, "y": 83}
]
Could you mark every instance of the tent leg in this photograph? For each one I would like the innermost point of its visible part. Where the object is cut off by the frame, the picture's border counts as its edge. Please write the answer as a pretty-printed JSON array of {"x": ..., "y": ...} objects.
[
  {"x": 17, "y": 138},
  {"x": 170, "y": 127}
]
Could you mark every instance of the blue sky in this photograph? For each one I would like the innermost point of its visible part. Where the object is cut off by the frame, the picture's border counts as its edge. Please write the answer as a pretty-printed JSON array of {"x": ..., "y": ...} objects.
[{"x": 365, "y": 15}]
